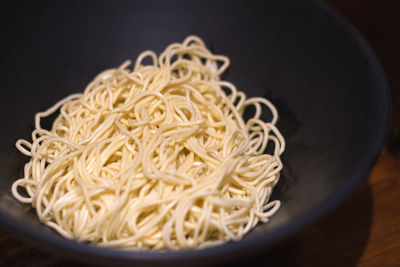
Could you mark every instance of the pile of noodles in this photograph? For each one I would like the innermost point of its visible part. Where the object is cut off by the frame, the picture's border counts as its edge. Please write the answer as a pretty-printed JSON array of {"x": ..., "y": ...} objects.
[{"x": 158, "y": 156}]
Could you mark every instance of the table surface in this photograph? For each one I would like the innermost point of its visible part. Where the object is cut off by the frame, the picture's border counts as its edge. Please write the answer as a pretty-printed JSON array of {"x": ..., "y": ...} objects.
[{"x": 363, "y": 231}]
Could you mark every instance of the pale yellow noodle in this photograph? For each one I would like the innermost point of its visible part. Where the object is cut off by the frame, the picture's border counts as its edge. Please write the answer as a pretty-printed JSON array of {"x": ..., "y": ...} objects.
[{"x": 155, "y": 157}]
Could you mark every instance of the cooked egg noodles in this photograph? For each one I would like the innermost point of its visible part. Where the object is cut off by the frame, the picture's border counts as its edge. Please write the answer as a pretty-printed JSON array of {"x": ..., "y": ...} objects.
[{"x": 155, "y": 157}]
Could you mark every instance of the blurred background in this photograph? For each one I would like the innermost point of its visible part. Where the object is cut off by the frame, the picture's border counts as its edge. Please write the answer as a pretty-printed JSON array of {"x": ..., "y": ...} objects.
[
  {"x": 379, "y": 22},
  {"x": 365, "y": 230}
]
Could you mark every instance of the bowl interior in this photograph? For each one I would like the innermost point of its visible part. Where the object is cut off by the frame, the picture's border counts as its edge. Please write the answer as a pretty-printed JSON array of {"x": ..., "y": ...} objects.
[{"x": 326, "y": 83}]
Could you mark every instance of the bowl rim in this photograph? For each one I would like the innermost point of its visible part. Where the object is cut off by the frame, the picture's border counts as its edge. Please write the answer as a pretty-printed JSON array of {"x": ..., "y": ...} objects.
[{"x": 61, "y": 246}]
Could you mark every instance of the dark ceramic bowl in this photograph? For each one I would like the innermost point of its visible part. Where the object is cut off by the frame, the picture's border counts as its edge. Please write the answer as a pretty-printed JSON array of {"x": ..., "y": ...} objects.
[{"x": 327, "y": 83}]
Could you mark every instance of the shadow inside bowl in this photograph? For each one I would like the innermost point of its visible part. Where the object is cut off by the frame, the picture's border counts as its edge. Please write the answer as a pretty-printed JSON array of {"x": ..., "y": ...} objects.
[{"x": 338, "y": 240}]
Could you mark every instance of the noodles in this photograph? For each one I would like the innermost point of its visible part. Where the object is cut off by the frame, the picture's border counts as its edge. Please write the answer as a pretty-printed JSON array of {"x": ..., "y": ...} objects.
[{"x": 155, "y": 157}]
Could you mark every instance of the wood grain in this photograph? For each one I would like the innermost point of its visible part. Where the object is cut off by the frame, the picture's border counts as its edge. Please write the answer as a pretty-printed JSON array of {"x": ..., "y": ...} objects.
[{"x": 364, "y": 231}]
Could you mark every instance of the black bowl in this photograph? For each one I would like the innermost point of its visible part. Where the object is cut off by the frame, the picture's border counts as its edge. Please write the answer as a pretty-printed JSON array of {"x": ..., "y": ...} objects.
[{"x": 328, "y": 86}]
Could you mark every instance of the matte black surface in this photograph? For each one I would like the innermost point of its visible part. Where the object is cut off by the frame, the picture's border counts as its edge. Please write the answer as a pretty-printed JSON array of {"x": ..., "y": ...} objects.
[{"x": 328, "y": 86}]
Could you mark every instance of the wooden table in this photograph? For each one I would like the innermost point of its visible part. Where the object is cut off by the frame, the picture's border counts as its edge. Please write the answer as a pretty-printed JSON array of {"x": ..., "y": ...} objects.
[{"x": 364, "y": 231}]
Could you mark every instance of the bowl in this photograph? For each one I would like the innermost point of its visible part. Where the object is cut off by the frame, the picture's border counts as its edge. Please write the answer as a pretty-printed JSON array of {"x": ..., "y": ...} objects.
[{"x": 326, "y": 82}]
